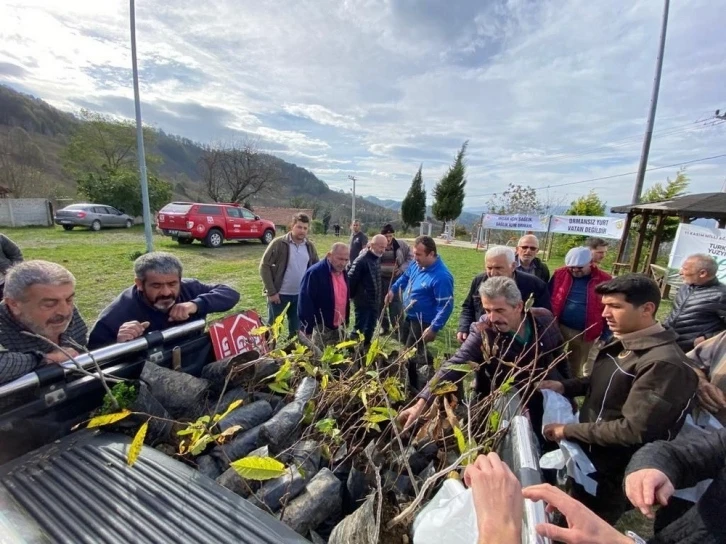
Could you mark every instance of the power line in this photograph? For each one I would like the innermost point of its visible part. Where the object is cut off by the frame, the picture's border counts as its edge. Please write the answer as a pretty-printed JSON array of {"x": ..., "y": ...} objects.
[{"x": 614, "y": 175}]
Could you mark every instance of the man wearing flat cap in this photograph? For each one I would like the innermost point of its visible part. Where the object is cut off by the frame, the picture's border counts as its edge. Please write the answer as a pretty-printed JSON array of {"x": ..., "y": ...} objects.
[{"x": 577, "y": 306}]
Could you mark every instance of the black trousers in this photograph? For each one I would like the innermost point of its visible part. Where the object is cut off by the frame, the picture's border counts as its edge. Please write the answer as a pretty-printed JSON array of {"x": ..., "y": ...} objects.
[{"x": 411, "y": 332}]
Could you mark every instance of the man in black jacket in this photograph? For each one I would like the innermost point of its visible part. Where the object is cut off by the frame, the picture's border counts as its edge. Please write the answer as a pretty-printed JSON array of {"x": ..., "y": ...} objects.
[
  {"x": 527, "y": 260},
  {"x": 500, "y": 261},
  {"x": 159, "y": 299},
  {"x": 699, "y": 311},
  {"x": 364, "y": 281},
  {"x": 10, "y": 255}
]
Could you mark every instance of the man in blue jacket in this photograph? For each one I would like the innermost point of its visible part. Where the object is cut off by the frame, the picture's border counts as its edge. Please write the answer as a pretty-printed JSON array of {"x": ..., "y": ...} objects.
[
  {"x": 323, "y": 302},
  {"x": 428, "y": 300},
  {"x": 159, "y": 299}
]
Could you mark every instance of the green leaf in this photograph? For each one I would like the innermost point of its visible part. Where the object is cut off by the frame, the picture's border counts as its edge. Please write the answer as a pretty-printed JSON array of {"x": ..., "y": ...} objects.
[
  {"x": 346, "y": 344},
  {"x": 394, "y": 389},
  {"x": 373, "y": 351},
  {"x": 444, "y": 387},
  {"x": 259, "y": 468},
  {"x": 507, "y": 385},
  {"x": 326, "y": 426},
  {"x": 466, "y": 367},
  {"x": 108, "y": 419},
  {"x": 309, "y": 412},
  {"x": 201, "y": 444},
  {"x": 375, "y": 418},
  {"x": 233, "y": 406},
  {"x": 259, "y": 331},
  {"x": 460, "y": 440},
  {"x": 280, "y": 388},
  {"x": 137, "y": 443},
  {"x": 372, "y": 373},
  {"x": 494, "y": 419}
]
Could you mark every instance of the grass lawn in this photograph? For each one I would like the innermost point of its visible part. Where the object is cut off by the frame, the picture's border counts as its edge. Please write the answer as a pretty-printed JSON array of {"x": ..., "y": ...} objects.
[{"x": 103, "y": 265}]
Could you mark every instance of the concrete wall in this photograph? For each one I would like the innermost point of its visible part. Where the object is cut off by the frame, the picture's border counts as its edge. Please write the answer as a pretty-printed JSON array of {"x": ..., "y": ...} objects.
[{"x": 25, "y": 212}]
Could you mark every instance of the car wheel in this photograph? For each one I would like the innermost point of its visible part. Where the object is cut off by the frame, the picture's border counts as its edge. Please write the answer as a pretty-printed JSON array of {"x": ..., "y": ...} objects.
[
  {"x": 129, "y": 223},
  {"x": 267, "y": 237},
  {"x": 214, "y": 238},
  {"x": 185, "y": 241},
  {"x": 68, "y": 227},
  {"x": 96, "y": 225}
]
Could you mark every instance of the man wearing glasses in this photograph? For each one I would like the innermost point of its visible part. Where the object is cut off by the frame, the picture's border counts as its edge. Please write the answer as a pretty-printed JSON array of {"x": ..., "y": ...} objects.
[
  {"x": 527, "y": 260},
  {"x": 577, "y": 306}
]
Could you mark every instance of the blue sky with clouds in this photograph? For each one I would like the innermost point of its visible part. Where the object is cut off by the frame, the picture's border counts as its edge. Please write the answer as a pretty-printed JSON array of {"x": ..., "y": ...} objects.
[{"x": 546, "y": 92}]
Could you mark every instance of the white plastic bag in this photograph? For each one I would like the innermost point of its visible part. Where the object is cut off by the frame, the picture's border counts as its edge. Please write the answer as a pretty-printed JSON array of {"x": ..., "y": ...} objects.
[
  {"x": 704, "y": 423},
  {"x": 557, "y": 409},
  {"x": 448, "y": 517}
]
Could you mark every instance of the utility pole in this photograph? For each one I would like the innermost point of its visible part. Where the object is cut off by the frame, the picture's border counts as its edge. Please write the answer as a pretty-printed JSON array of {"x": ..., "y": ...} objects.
[
  {"x": 141, "y": 155},
  {"x": 352, "y": 220},
  {"x": 653, "y": 105}
]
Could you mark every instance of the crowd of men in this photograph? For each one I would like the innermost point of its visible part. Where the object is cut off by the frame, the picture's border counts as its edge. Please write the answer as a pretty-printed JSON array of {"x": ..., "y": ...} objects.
[{"x": 576, "y": 330}]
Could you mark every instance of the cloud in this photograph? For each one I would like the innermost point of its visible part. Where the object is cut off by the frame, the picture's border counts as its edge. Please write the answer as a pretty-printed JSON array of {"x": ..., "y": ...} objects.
[{"x": 547, "y": 93}]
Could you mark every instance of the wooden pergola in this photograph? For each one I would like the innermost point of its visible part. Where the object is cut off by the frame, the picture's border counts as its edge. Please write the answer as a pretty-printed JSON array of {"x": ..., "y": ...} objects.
[{"x": 687, "y": 208}]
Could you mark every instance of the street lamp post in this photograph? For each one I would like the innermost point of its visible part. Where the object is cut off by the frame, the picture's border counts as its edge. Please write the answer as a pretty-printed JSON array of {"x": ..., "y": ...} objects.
[
  {"x": 141, "y": 155},
  {"x": 352, "y": 220}
]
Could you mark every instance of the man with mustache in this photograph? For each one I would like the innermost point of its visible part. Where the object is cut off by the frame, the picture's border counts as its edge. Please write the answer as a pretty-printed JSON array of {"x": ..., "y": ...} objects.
[
  {"x": 38, "y": 301},
  {"x": 159, "y": 299}
]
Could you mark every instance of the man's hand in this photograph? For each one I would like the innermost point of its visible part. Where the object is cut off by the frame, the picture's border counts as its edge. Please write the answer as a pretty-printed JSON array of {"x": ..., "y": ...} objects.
[
  {"x": 275, "y": 299},
  {"x": 389, "y": 298},
  {"x": 554, "y": 385},
  {"x": 429, "y": 335},
  {"x": 497, "y": 500},
  {"x": 699, "y": 340},
  {"x": 182, "y": 311},
  {"x": 407, "y": 418},
  {"x": 554, "y": 432},
  {"x": 461, "y": 337},
  {"x": 710, "y": 397},
  {"x": 131, "y": 330},
  {"x": 57, "y": 356},
  {"x": 648, "y": 487},
  {"x": 584, "y": 526}
]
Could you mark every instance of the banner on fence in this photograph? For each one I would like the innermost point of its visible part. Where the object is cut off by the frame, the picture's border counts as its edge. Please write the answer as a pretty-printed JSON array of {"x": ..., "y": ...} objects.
[
  {"x": 605, "y": 227},
  {"x": 691, "y": 239},
  {"x": 536, "y": 223}
]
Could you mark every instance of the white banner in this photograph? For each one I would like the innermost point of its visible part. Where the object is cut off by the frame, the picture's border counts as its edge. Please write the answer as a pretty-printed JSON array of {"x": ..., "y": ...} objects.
[
  {"x": 605, "y": 227},
  {"x": 536, "y": 223},
  {"x": 691, "y": 239}
]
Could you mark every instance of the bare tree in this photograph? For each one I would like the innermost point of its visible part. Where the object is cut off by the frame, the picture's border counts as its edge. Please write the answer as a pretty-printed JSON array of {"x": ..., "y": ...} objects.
[
  {"x": 21, "y": 164},
  {"x": 235, "y": 172}
]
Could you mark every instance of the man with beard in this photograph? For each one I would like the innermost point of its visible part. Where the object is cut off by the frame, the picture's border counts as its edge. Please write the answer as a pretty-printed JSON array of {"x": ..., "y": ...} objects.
[
  {"x": 159, "y": 299},
  {"x": 364, "y": 278},
  {"x": 38, "y": 301}
]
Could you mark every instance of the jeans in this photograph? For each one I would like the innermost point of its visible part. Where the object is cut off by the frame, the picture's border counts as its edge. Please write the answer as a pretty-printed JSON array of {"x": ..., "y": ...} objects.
[
  {"x": 366, "y": 319},
  {"x": 579, "y": 351},
  {"x": 274, "y": 310}
]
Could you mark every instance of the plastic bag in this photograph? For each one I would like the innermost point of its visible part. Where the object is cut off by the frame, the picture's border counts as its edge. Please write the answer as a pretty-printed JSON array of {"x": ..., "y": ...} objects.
[
  {"x": 703, "y": 423},
  {"x": 557, "y": 409},
  {"x": 448, "y": 517}
]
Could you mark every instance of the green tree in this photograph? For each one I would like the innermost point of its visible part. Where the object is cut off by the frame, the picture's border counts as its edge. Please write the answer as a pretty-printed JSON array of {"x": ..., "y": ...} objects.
[
  {"x": 589, "y": 204},
  {"x": 449, "y": 192},
  {"x": 102, "y": 144},
  {"x": 122, "y": 189},
  {"x": 326, "y": 220},
  {"x": 413, "y": 207},
  {"x": 659, "y": 192},
  {"x": 22, "y": 164}
]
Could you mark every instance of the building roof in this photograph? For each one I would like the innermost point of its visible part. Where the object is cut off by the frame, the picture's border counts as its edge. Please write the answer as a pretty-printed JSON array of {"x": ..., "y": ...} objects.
[
  {"x": 701, "y": 205},
  {"x": 280, "y": 216}
]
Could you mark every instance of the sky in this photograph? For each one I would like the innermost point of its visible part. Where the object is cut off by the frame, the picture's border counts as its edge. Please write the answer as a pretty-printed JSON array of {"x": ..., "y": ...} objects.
[{"x": 549, "y": 94}]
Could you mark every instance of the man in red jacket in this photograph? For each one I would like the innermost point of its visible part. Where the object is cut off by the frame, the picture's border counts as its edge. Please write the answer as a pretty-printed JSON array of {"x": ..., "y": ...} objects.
[{"x": 576, "y": 305}]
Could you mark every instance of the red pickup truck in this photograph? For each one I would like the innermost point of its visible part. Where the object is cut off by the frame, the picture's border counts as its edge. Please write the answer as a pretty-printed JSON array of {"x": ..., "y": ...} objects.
[{"x": 212, "y": 224}]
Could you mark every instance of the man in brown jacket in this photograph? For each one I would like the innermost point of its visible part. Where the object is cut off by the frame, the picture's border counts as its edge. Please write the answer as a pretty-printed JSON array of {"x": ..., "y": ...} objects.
[
  {"x": 640, "y": 390},
  {"x": 282, "y": 268}
]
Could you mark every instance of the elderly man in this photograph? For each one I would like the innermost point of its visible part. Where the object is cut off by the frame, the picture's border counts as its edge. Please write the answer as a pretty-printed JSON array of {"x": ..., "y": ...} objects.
[
  {"x": 699, "y": 311},
  {"x": 282, "y": 267},
  {"x": 159, "y": 299},
  {"x": 38, "y": 301},
  {"x": 395, "y": 261},
  {"x": 527, "y": 260},
  {"x": 500, "y": 261},
  {"x": 598, "y": 248},
  {"x": 639, "y": 391},
  {"x": 576, "y": 305},
  {"x": 10, "y": 255},
  {"x": 324, "y": 302},
  {"x": 358, "y": 240},
  {"x": 525, "y": 339},
  {"x": 364, "y": 279},
  {"x": 428, "y": 297}
]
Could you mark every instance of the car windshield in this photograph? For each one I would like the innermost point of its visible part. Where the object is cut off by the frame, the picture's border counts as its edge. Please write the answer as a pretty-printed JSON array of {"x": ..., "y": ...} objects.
[{"x": 176, "y": 208}]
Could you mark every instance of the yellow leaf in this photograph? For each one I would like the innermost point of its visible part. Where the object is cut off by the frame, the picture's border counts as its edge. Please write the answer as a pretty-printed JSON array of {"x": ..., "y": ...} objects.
[
  {"x": 346, "y": 344},
  {"x": 324, "y": 382},
  {"x": 100, "y": 421},
  {"x": 137, "y": 444},
  {"x": 231, "y": 407},
  {"x": 259, "y": 468},
  {"x": 460, "y": 440},
  {"x": 444, "y": 387}
]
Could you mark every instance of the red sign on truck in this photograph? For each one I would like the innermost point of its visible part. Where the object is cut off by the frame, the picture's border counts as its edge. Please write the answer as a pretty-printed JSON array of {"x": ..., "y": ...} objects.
[{"x": 233, "y": 335}]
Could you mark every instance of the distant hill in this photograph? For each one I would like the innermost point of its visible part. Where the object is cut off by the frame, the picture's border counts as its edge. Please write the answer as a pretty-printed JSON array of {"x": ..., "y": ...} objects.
[{"x": 52, "y": 128}]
